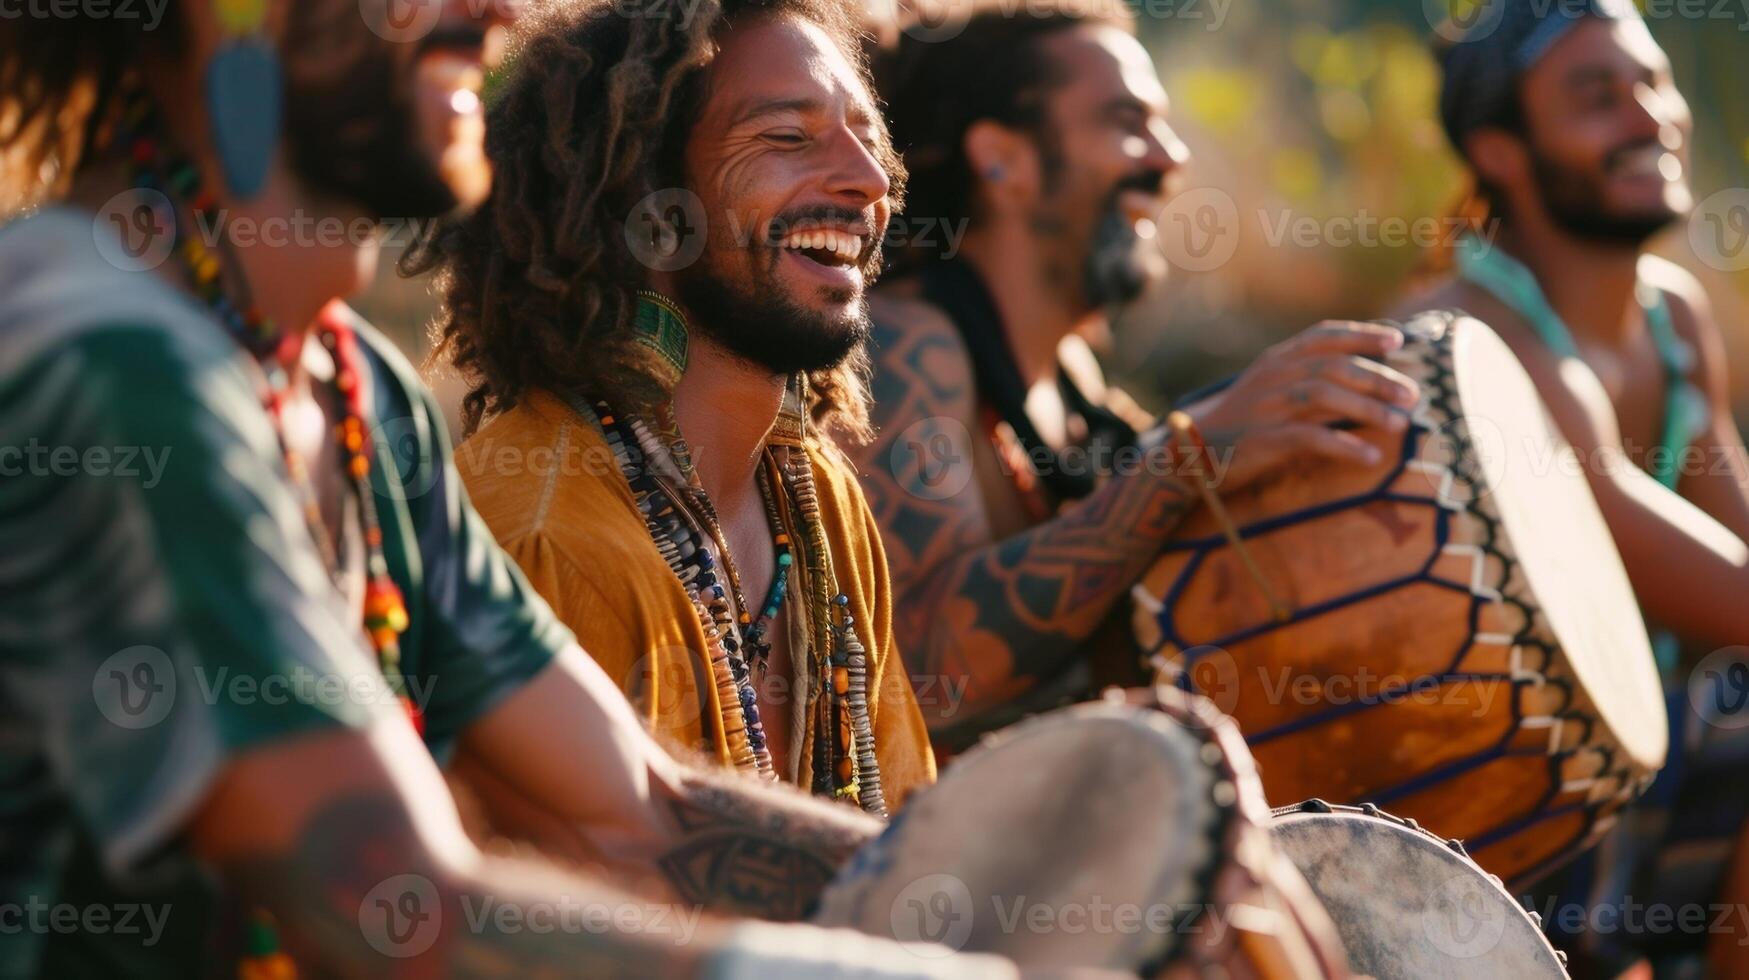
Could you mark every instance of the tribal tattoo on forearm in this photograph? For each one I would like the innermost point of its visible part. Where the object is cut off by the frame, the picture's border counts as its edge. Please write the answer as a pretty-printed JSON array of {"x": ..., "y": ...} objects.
[
  {"x": 749, "y": 850},
  {"x": 997, "y": 617}
]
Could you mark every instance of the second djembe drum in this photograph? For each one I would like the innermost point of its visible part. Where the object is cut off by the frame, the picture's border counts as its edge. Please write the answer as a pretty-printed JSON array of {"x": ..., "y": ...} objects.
[{"x": 1449, "y": 634}]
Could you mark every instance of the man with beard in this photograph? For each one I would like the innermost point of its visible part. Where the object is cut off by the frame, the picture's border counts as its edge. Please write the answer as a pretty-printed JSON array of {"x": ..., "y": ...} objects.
[
  {"x": 662, "y": 305},
  {"x": 1015, "y": 507},
  {"x": 239, "y": 580},
  {"x": 1577, "y": 138}
]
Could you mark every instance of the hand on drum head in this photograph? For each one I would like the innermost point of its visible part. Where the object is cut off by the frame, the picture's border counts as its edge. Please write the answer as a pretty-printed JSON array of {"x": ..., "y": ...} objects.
[{"x": 1289, "y": 405}]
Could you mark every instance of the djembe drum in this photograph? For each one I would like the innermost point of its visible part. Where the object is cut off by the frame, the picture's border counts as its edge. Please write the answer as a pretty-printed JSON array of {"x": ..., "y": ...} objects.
[
  {"x": 1410, "y": 906},
  {"x": 1131, "y": 837},
  {"x": 1450, "y": 633}
]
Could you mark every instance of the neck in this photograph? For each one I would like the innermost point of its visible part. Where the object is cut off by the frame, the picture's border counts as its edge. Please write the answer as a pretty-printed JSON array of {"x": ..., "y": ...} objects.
[
  {"x": 726, "y": 408},
  {"x": 1590, "y": 284},
  {"x": 1035, "y": 315},
  {"x": 277, "y": 249}
]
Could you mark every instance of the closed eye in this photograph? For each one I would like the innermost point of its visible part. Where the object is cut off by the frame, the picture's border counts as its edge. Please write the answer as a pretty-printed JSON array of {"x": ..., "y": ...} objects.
[{"x": 787, "y": 137}]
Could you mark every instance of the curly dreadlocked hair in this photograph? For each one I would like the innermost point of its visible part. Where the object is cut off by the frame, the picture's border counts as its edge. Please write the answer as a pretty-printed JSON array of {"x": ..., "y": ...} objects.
[{"x": 539, "y": 284}]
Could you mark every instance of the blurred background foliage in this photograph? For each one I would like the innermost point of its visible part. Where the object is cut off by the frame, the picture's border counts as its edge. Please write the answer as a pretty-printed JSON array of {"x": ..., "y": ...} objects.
[{"x": 1321, "y": 111}]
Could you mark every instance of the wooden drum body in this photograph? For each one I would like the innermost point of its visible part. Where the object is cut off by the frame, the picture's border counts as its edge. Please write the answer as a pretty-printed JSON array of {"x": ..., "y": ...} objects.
[{"x": 1462, "y": 644}]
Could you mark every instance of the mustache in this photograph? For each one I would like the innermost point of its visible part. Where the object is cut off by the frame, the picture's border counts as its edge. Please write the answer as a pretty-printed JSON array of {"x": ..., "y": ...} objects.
[
  {"x": 817, "y": 214},
  {"x": 1146, "y": 181},
  {"x": 1614, "y": 157}
]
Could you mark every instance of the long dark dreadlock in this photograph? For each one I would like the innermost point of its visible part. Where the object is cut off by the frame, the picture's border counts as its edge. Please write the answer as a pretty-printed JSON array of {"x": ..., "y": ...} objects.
[{"x": 539, "y": 283}]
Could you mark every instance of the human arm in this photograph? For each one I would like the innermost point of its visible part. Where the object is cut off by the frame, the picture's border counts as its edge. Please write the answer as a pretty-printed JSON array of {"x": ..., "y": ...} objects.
[
  {"x": 1003, "y": 615},
  {"x": 570, "y": 746}
]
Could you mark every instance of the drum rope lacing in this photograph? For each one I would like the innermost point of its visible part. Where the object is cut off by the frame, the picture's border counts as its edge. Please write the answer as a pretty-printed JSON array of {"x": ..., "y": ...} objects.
[{"x": 1440, "y": 393}]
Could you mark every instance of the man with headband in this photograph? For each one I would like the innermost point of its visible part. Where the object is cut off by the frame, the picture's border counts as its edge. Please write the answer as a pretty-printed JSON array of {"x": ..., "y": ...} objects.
[
  {"x": 1015, "y": 503},
  {"x": 1578, "y": 141},
  {"x": 244, "y": 601}
]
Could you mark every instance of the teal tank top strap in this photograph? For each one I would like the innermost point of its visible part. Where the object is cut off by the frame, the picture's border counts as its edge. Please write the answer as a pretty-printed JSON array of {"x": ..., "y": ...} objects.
[
  {"x": 1685, "y": 408},
  {"x": 1511, "y": 283}
]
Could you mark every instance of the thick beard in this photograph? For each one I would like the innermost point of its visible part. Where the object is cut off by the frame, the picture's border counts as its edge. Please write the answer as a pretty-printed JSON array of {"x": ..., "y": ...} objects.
[
  {"x": 1116, "y": 273},
  {"x": 1575, "y": 204},
  {"x": 352, "y": 130},
  {"x": 759, "y": 324}
]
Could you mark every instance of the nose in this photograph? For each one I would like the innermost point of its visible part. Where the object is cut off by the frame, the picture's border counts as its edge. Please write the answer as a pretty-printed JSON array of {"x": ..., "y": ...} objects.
[
  {"x": 1657, "y": 109},
  {"x": 1164, "y": 151},
  {"x": 854, "y": 171}
]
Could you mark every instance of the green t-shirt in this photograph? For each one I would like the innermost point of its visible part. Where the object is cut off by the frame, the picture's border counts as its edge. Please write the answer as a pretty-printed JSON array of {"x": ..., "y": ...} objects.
[{"x": 163, "y": 607}]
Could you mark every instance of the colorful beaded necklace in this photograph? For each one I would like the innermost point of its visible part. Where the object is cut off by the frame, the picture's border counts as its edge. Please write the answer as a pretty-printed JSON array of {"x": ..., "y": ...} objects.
[
  {"x": 384, "y": 615},
  {"x": 656, "y": 462}
]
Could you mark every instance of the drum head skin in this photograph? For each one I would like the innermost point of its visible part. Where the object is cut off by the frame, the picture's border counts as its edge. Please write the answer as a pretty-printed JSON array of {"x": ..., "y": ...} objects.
[
  {"x": 1079, "y": 838},
  {"x": 1408, "y": 905},
  {"x": 1570, "y": 561}
]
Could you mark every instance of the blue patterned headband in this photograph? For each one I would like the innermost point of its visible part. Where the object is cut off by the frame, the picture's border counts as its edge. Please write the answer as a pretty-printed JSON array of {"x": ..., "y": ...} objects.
[{"x": 1486, "y": 53}]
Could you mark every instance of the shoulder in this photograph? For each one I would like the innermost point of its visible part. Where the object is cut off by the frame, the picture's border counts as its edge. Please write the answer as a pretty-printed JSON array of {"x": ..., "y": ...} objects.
[
  {"x": 1467, "y": 298},
  {"x": 61, "y": 292},
  {"x": 908, "y": 328},
  {"x": 542, "y": 477},
  {"x": 1691, "y": 313},
  {"x": 922, "y": 367}
]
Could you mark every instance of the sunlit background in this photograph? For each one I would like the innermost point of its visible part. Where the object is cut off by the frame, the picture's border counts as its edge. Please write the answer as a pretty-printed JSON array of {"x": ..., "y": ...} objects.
[{"x": 1314, "y": 121}]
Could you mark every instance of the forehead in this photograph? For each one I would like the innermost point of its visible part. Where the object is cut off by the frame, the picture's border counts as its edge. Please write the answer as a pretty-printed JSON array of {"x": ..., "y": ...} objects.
[
  {"x": 1099, "y": 62},
  {"x": 765, "y": 60},
  {"x": 1597, "y": 46}
]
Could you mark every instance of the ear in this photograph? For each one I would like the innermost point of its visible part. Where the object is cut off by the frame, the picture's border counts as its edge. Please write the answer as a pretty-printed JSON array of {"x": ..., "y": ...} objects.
[
  {"x": 1004, "y": 161},
  {"x": 1499, "y": 157}
]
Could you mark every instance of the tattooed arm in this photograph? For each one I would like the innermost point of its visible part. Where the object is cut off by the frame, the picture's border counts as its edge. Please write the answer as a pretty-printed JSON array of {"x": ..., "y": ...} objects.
[
  {"x": 352, "y": 843},
  {"x": 1001, "y": 615},
  {"x": 569, "y": 747},
  {"x": 996, "y": 617}
]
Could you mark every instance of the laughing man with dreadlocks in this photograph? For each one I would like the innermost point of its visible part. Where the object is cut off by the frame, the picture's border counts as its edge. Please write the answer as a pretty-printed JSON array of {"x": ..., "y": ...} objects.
[{"x": 686, "y": 214}]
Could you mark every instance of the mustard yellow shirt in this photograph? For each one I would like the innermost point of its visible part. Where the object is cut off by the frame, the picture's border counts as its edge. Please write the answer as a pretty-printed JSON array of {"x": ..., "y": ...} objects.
[{"x": 546, "y": 483}]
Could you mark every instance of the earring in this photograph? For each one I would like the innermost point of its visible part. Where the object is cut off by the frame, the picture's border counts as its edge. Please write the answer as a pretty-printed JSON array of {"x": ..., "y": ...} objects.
[
  {"x": 994, "y": 173},
  {"x": 243, "y": 96}
]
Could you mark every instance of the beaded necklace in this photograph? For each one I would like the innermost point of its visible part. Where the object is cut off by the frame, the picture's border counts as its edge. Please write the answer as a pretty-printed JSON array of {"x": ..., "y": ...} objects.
[
  {"x": 656, "y": 462},
  {"x": 385, "y": 610},
  {"x": 384, "y": 615}
]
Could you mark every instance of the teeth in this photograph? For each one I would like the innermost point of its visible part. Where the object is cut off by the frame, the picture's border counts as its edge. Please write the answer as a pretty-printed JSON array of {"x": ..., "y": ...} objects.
[{"x": 839, "y": 243}]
